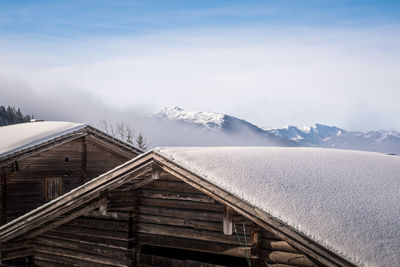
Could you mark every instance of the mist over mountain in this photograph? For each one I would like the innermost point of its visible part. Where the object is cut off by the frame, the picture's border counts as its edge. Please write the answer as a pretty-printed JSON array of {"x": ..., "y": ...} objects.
[
  {"x": 318, "y": 135},
  {"x": 220, "y": 129}
]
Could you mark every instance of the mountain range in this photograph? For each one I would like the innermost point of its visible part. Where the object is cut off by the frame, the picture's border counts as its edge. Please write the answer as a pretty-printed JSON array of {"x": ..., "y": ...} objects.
[{"x": 318, "y": 135}]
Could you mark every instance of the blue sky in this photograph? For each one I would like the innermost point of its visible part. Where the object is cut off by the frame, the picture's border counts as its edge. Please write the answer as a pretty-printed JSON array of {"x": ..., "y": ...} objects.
[
  {"x": 115, "y": 18},
  {"x": 269, "y": 62}
]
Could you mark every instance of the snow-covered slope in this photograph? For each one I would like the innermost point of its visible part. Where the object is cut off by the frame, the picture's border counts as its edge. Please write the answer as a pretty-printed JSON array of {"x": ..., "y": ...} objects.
[
  {"x": 345, "y": 200},
  {"x": 318, "y": 135}
]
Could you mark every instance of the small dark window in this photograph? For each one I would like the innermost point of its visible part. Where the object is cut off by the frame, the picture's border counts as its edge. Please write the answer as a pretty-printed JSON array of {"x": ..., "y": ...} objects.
[
  {"x": 15, "y": 167},
  {"x": 66, "y": 159},
  {"x": 69, "y": 172},
  {"x": 53, "y": 188}
]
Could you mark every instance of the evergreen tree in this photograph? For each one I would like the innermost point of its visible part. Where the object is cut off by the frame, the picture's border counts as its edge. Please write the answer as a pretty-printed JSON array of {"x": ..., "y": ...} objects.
[
  {"x": 10, "y": 115},
  {"x": 141, "y": 142}
]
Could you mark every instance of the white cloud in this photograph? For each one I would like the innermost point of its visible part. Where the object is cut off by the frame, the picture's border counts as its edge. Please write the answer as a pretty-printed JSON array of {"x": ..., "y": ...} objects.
[{"x": 271, "y": 77}]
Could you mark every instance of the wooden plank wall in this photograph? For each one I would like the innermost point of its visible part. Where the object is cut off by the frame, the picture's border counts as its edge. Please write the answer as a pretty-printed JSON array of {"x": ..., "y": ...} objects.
[
  {"x": 101, "y": 160},
  {"x": 26, "y": 188},
  {"x": 167, "y": 214}
]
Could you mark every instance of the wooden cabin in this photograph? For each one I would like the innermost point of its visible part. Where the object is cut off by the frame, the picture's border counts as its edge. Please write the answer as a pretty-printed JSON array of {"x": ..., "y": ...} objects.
[
  {"x": 186, "y": 207},
  {"x": 39, "y": 161}
]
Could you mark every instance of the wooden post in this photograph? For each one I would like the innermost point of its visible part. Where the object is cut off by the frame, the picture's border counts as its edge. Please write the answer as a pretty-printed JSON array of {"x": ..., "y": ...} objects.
[
  {"x": 3, "y": 195},
  {"x": 256, "y": 236},
  {"x": 103, "y": 203},
  {"x": 156, "y": 172},
  {"x": 84, "y": 161},
  {"x": 227, "y": 221}
]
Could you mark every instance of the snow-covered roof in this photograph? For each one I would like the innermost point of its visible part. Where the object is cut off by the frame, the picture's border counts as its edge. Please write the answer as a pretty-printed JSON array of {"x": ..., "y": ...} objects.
[
  {"x": 347, "y": 201},
  {"x": 14, "y": 138}
]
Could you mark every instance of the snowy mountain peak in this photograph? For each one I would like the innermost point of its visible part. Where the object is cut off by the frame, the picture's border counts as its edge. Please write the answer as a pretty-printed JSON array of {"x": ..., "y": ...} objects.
[
  {"x": 325, "y": 131},
  {"x": 309, "y": 135},
  {"x": 206, "y": 119},
  {"x": 319, "y": 135}
]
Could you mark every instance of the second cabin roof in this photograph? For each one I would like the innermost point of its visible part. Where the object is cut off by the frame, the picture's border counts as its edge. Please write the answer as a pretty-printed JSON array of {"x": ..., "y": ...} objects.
[
  {"x": 24, "y": 135},
  {"x": 347, "y": 201},
  {"x": 18, "y": 138}
]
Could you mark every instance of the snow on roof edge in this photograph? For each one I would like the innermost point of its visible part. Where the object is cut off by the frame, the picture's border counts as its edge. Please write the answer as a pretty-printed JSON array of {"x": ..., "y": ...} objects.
[
  {"x": 42, "y": 140},
  {"x": 20, "y": 149}
]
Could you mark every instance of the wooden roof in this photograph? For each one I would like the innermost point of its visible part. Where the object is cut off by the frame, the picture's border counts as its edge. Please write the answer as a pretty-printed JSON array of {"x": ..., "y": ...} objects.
[
  {"x": 60, "y": 134},
  {"x": 138, "y": 172}
]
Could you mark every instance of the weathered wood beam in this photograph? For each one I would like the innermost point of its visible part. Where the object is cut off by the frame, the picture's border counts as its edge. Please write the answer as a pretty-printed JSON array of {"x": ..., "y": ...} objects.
[
  {"x": 122, "y": 196},
  {"x": 52, "y": 259},
  {"x": 286, "y": 258},
  {"x": 280, "y": 245},
  {"x": 180, "y": 221},
  {"x": 61, "y": 221},
  {"x": 172, "y": 186},
  {"x": 91, "y": 248},
  {"x": 84, "y": 161},
  {"x": 67, "y": 229},
  {"x": 227, "y": 221},
  {"x": 104, "y": 224},
  {"x": 101, "y": 241},
  {"x": 183, "y": 221},
  {"x": 183, "y": 213},
  {"x": 121, "y": 206},
  {"x": 188, "y": 233},
  {"x": 155, "y": 175},
  {"x": 81, "y": 256},
  {"x": 16, "y": 245},
  {"x": 16, "y": 254},
  {"x": 195, "y": 245},
  {"x": 167, "y": 203},
  {"x": 177, "y": 196},
  {"x": 115, "y": 215},
  {"x": 139, "y": 184}
]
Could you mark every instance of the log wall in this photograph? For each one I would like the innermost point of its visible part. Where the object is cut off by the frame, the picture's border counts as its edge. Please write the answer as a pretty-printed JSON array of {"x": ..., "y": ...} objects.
[
  {"x": 90, "y": 240},
  {"x": 164, "y": 223}
]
